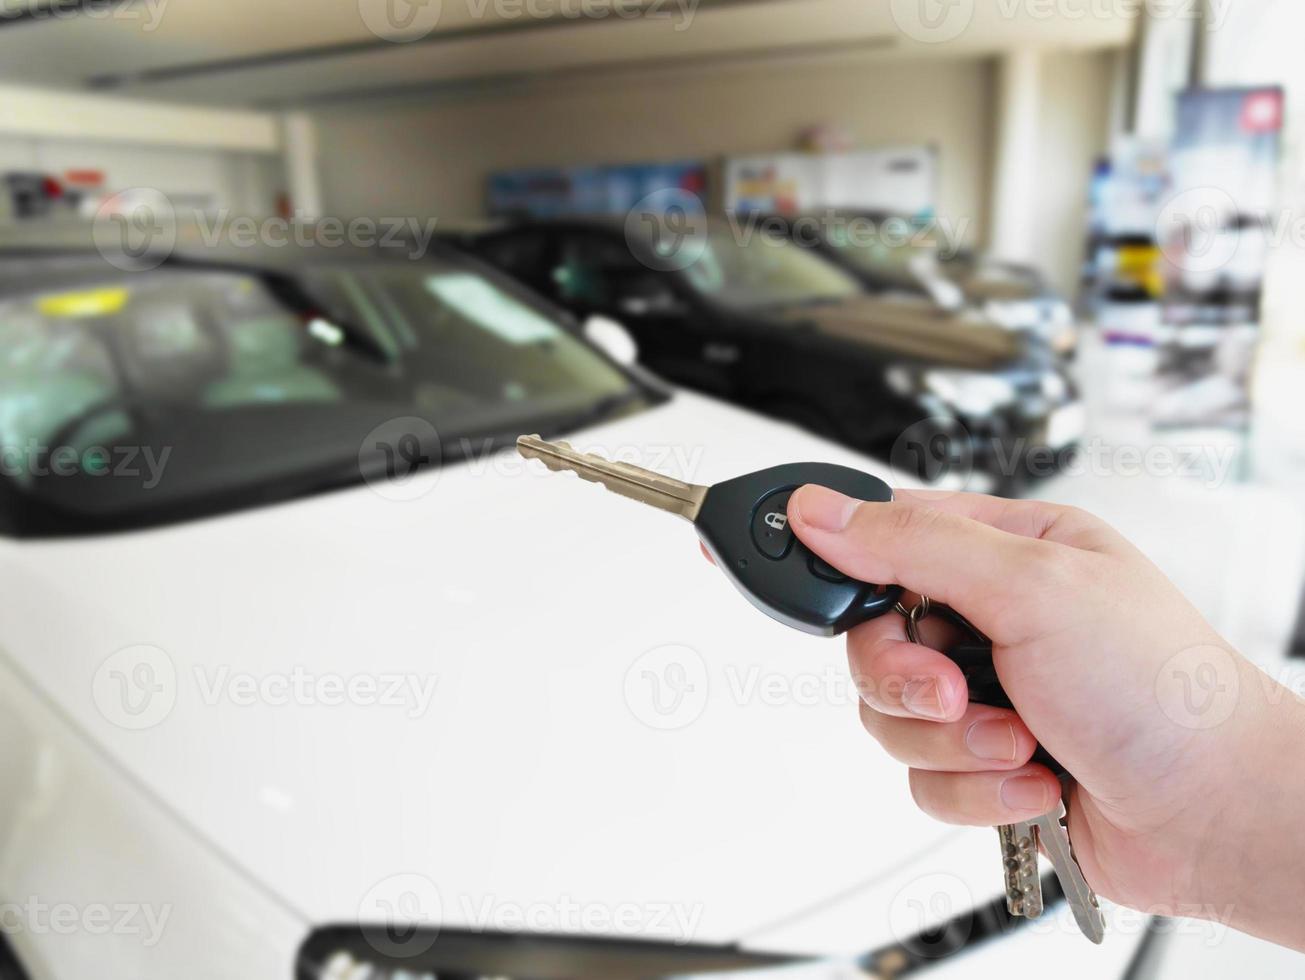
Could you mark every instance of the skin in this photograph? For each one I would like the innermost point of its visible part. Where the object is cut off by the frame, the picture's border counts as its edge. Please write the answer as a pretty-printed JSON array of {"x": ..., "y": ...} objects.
[{"x": 1188, "y": 795}]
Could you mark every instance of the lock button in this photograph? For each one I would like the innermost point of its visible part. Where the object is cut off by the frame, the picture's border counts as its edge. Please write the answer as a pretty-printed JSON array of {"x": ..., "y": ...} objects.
[{"x": 770, "y": 531}]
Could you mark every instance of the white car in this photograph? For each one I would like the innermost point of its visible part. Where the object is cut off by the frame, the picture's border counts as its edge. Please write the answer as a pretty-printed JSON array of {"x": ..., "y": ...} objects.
[{"x": 282, "y": 698}]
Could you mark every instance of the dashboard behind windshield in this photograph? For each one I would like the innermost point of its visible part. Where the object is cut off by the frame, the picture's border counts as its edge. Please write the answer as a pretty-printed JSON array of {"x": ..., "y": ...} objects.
[{"x": 134, "y": 397}]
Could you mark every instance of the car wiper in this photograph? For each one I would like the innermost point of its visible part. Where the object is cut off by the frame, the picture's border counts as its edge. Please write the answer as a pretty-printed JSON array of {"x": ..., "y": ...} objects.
[{"x": 290, "y": 293}]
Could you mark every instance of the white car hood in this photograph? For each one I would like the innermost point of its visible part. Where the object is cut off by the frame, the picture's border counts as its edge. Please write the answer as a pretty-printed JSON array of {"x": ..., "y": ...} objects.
[{"x": 541, "y": 771}]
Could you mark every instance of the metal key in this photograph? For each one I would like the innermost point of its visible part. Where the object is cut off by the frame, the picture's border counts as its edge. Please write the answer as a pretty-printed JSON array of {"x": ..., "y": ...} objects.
[
  {"x": 1053, "y": 835},
  {"x": 1019, "y": 860},
  {"x": 744, "y": 524},
  {"x": 1019, "y": 856}
]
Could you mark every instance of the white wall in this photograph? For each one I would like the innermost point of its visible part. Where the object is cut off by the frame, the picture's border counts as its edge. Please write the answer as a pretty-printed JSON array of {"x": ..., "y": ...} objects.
[
  {"x": 244, "y": 183},
  {"x": 432, "y": 159},
  {"x": 199, "y": 156},
  {"x": 1073, "y": 130}
]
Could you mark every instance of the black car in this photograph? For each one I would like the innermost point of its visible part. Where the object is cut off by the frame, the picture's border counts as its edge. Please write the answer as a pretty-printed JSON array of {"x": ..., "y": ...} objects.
[
  {"x": 774, "y": 327},
  {"x": 891, "y": 253}
]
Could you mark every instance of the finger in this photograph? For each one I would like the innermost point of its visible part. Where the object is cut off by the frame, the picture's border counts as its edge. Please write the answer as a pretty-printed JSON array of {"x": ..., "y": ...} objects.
[
  {"x": 904, "y": 679},
  {"x": 982, "y": 740},
  {"x": 962, "y": 562},
  {"x": 1026, "y": 518},
  {"x": 705, "y": 553},
  {"x": 985, "y": 799}
]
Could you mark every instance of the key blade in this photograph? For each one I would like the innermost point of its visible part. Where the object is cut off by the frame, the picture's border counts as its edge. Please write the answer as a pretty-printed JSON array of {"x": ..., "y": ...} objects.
[
  {"x": 1054, "y": 837},
  {"x": 646, "y": 486},
  {"x": 1019, "y": 863}
]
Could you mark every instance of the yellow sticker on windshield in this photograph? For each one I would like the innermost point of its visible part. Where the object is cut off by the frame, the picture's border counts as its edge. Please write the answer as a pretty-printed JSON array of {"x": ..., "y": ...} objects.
[{"x": 87, "y": 302}]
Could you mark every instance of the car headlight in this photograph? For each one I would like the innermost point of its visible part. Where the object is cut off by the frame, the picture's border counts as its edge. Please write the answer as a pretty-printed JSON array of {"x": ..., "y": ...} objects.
[
  {"x": 900, "y": 380},
  {"x": 970, "y": 391},
  {"x": 1014, "y": 314},
  {"x": 1054, "y": 386}
]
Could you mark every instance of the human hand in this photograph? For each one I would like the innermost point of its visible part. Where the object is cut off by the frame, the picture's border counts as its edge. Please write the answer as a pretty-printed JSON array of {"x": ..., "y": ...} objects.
[{"x": 1187, "y": 797}]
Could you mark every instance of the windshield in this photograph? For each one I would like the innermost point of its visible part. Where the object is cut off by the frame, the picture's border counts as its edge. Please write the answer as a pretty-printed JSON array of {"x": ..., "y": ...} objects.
[
  {"x": 198, "y": 390},
  {"x": 763, "y": 271},
  {"x": 890, "y": 251}
]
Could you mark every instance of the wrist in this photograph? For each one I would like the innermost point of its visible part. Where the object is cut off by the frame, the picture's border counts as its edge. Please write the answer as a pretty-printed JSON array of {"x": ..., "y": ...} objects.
[{"x": 1248, "y": 866}]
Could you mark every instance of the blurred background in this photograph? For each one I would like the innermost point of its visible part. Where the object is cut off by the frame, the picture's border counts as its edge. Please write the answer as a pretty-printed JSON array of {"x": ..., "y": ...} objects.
[{"x": 1080, "y": 224}]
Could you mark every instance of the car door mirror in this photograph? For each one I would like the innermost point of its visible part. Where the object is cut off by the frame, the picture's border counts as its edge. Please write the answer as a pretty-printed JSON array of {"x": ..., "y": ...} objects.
[{"x": 612, "y": 339}]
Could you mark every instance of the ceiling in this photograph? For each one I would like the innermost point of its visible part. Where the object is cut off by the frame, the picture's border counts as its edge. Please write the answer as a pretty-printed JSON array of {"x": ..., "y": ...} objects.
[{"x": 288, "y": 52}]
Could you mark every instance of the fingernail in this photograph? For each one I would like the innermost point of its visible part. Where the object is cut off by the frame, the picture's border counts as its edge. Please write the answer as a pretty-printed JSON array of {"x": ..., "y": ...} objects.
[
  {"x": 1026, "y": 793},
  {"x": 824, "y": 509},
  {"x": 922, "y": 697},
  {"x": 993, "y": 740}
]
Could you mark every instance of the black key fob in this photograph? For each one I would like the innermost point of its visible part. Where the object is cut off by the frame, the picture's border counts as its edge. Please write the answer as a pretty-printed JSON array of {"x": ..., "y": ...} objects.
[{"x": 744, "y": 524}]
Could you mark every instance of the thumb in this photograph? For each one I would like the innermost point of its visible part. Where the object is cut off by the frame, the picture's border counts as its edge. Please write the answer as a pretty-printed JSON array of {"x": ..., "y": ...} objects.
[{"x": 965, "y": 563}]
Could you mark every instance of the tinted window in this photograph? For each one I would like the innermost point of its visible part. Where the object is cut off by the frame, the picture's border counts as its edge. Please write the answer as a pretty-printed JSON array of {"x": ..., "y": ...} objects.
[{"x": 522, "y": 255}]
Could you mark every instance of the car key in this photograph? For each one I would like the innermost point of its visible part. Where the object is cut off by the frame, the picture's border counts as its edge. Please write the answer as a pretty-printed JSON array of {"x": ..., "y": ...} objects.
[{"x": 744, "y": 524}]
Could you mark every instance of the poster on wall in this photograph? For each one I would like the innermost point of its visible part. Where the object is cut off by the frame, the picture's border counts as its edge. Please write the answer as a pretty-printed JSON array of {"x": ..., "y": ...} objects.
[
  {"x": 609, "y": 189},
  {"x": 899, "y": 180}
]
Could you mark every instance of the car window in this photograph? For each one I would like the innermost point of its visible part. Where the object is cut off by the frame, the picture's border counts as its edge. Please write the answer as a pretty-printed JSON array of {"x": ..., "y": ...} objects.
[
  {"x": 758, "y": 270},
  {"x": 248, "y": 396},
  {"x": 520, "y": 254},
  {"x": 591, "y": 269}
]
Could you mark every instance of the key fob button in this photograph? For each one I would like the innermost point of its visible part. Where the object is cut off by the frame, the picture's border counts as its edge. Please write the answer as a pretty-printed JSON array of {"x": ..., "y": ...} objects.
[
  {"x": 770, "y": 531},
  {"x": 822, "y": 569}
]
